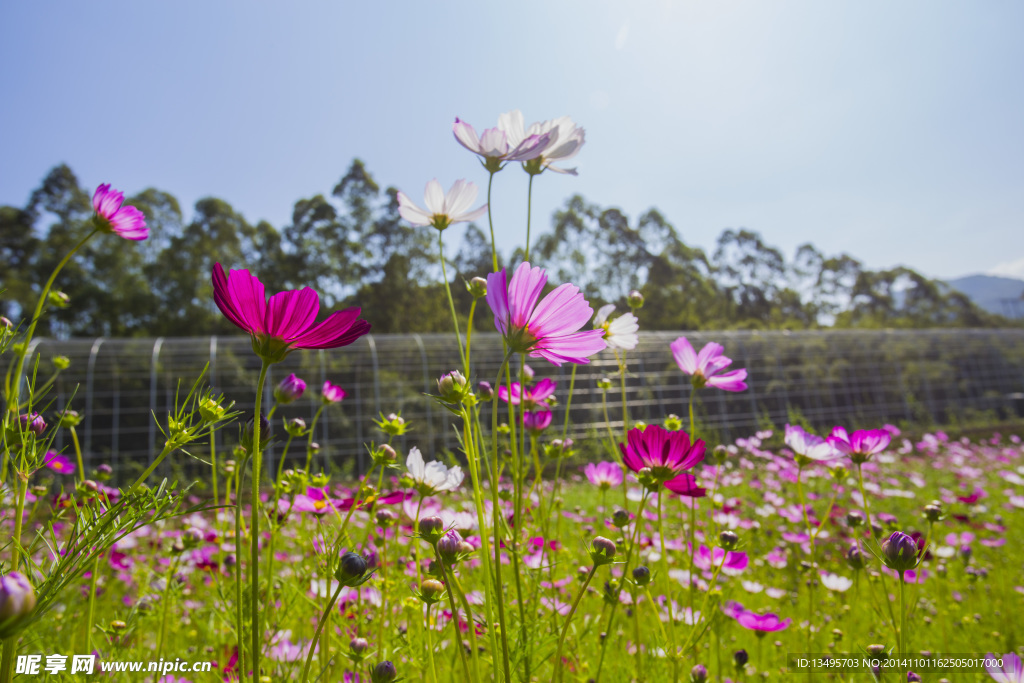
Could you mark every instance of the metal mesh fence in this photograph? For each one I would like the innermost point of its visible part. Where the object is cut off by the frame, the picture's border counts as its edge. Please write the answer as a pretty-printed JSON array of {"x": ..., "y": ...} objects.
[{"x": 855, "y": 378}]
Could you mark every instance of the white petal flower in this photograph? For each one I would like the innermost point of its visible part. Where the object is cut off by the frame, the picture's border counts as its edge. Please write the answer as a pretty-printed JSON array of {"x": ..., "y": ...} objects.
[
  {"x": 442, "y": 209},
  {"x": 432, "y": 477},
  {"x": 564, "y": 139},
  {"x": 835, "y": 582},
  {"x": 620, "y": 333}
]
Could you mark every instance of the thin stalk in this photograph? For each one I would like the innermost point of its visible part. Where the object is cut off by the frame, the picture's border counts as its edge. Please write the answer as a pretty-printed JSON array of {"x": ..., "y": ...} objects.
[
  {"x": 529, "y": 213},
  {"x": 164, "y": 613},
  {"x": 14, "y": 399},
  {"x": 309, "y": 441},
  {"x": 568, "y": 618},
  {"x": 456, "y": 636},
  {"x": 517, "y": 457},
  {"x": 864, "y": 498},
  {"x": 664, "y": 566},
  {"x": 78, "y": 454},
  {"x": 430, "y": 647},
  {"x": 319, "y": 628},
  {"x": 254, "y": 527},
  {"x": 490, "y": 221},
  {"x": 448, "y": 291},
  {"x": 472, "y": 624},
  {"x": 496, "y": 513},
  {"x": 904, "y": 648}
]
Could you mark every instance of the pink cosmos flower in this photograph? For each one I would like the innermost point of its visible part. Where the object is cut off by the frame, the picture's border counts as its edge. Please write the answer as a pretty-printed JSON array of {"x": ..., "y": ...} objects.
[
  {"x": 604, "y": 474},
  {"x": 442, "y": 209},
  {"x": 332, "y": 393},
  {"x": 762, "y": 623},
  {"x": 58, "y": 463},
  {"x": 531, "y": 396},
  {"x": 704, "y": 367},
  {"x": 860, "y": 445},
  {"x": 1011, "y": 670},
  {"x": 667, "y": 454},
  {"x": 126, "y": 221},
  {"x": 548, "y": 329},
  {"x": 493, "y": 146},
  {"x": 810, "y": 446},
  {"x": 287, "y": 321},
  {"x": 686, "y": 485},
  {"x": 537, "y": 421},
  {"x": 709, "y": 560}
]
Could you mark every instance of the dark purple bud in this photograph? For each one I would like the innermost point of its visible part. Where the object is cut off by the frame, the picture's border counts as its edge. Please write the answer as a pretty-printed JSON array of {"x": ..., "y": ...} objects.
[
  {"x": 641, "y": 576},
  {"x": 740, "y": 658},
  {"x": 290, "y": 389},
  {"x": 699, "y": 674},
  {"x": 34, "y": 423},
  {"x": 485, "y": 391},
  {"x": 351, "y": 569},
  {"x": 449, "y": 547},
  {"x": 359, "y": 645},
  {"x": 17, "y": 600},
  {"x": 384, "y": 672},
  {"x": 431, "y": 528},
  {"x": 728, "y": 539},
  {"x": 855, "y": 558},
  {"x": 899, "y": 552}
]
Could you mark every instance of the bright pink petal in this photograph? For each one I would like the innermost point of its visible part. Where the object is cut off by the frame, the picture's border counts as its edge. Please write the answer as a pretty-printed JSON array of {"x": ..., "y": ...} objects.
[
  {"x": 341, "y": 328},
  {"x": 524, "y": 291},
  {"x": 710, "y": 352},
  {"x": 248, "y": 298},
  {"x": 497, "y": 299},
  {"x": 730, "y": 381},
  {"x": 544, "y": 389},
  {"x": 290, "y": 313},
  {"x": 563, "y": 310},
  {"x": 222, "y": 297},
  {"x": 685, "y": 356}
]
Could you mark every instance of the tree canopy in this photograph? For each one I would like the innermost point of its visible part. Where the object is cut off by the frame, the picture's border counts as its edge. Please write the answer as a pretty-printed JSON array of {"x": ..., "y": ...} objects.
[{"x": 353, "y": 247}]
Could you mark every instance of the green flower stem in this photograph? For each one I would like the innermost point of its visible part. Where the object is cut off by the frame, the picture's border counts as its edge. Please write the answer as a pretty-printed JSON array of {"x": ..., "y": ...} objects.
[
  {"x": 309, "y": 440},
  {"x": 904, "y": 648},
  {"x": 169, "y": 446},
  {"x": 529, "y": 214},
  {"x": 14, "y": 398},
  {"x": 472, "y": 624},
  {"x": 469, "y": 335},
  {"x": 165, "y": 612},
  {"x": 490, "y": 221},
  {"x": 611, "y": 447},
  {"x": 568, "y": 618},
  {"x": 430, "y": 647},
  {"x": 239, "y": 532},
  {"x": 254, "y": 528},
  {"x": 622, "y": 386},
  {"x": 703, "y": 607},
  {"x": 456, "y": 636},
  {"x": 319, "y": 629},
  {"x": 518, "y": 479},
  {"x": 693, "y": 547},
  {"x": 448, "y": 291},
  {"x": 496, "y": 513},
  {"x": 664, "y": 566},
  {"x": 625, "y": 573},
  {"x": 78, "y": 454}
]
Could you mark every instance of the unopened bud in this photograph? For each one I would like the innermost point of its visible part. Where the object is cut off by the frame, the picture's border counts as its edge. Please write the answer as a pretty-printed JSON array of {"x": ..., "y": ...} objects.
[
  {"x": 477, "y": 287},
  {"x": 635, "y": 300}
]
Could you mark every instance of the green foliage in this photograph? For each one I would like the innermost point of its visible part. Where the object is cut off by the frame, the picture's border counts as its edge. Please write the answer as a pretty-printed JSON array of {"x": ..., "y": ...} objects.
[{"x": 353, "y": 247}]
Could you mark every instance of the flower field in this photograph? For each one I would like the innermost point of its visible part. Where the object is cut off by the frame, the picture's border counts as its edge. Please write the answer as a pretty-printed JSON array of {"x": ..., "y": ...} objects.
[{"x": 856, "y": 552}]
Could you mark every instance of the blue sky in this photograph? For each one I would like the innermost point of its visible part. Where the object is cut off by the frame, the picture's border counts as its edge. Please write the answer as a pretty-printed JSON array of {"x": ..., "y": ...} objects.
[{"x": 891, "y": 131}]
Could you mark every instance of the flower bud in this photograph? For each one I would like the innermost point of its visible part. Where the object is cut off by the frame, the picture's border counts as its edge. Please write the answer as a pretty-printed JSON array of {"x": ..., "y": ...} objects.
[
  {"x": 641, "y": 576},
  {"x": 332, "y": 393},
  {"x": 210, "y": 410},
  {"x": 673, "y": 424},
  {"x": 740, "y": 658},
  {"x": 384, "y": 455},
  {"x": 899, "y": 552},
  {"x": 699, "y": 674},
  {"x": 485, "y": 391},
  {"x": 720, "y": 454},
  {"x": 118, "y": 626},
  {"x": 635, "y": 300},
  {"x": 249, "y": 431},
  {"x": 58, "y": 299},
  {"x": 351, "y": 569},
  {"x": 392, "y": 425},
  {"x": 932, "y": 512},
  {"x": 61, "y": 362},
  {"x": 33, "y": 423},
  {"x": 5, "y": 324},
  {"x": 913, "y": 677},
  {"x": 620, "y": 518},
  {"x": 431, "y": 590},
  {"x": 604, "y": 384},
  {"x": 295, "y": 427},
  {"x": 855, "y": 558},
  {"x": 477, "y": 287},
  {"x": 431, "y": 529},
  {"x": 289, "y": 389},
  {"x": 452, "y": 387},
  {"x": 602, "y": 550},
  {"x": 386, "y": 518},
  {"x": 854, "y": 519},
  {"x": 728, "y": 539},
  {"x": 193, "y": 537},
  {"x": 358, "y": 645},
  {"x": 449, "y": 547},
  {"x": 17, "y": 600},
  {"x": 384, "y": 672},
  {"x": 69, "y": 418},
  {"x": 875, "y": 650}
]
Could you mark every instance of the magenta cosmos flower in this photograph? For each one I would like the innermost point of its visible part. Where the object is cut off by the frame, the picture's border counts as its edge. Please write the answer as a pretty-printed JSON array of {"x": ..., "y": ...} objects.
[
  {"x": 442, "y": 209},
  {"x": 860, "y": 445},
  {"x": 732, "y": 561},
  {"x": 547, "y": 328},
  {"x": 762, "y": 623},
  {"x": 530, "y": 396},
  {"x": 126, "y": 221},
  {"x": 332, "y": 393},
  {"x": 58, "y": 463},
  {"x": 604, "y": 474},
  {"x": 666, "y": 454},
  {"x": 285, "y": 323},
  {"x": 704, "y": 367},
  {"x": 537, "y": 421}
]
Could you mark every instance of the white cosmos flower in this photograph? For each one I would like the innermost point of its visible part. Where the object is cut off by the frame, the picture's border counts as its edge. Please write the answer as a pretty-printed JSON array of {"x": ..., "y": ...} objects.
[
  {"x": 835, "y": 582},
  {"x": 810, "y": 446},
  {"x": 566, "y": 138},
  {"x": 493, "y": 146},
  {"x": 442, "y": 209},
  {"x": 432, "y": 477},
  {"x": 619, "y": 333}
]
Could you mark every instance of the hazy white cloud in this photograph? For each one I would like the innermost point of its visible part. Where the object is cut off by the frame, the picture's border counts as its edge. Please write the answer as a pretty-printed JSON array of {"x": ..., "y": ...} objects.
[
  {"x": 1013, "y": 268},
  {"x": 620, "y": 39}
]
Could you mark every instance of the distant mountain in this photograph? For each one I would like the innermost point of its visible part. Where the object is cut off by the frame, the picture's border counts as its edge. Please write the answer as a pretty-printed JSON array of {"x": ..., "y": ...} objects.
[{"x": 1002, "y": 295}]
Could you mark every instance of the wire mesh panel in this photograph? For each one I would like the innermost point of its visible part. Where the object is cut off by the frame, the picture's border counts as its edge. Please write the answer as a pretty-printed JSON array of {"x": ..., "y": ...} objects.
[{"x": 850, "y": 377}]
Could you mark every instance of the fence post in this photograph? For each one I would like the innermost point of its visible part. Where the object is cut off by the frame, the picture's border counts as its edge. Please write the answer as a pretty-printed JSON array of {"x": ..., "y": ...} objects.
[
  {"x": 152, "y": 397},
  {"x": 90, "y": 369}
]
